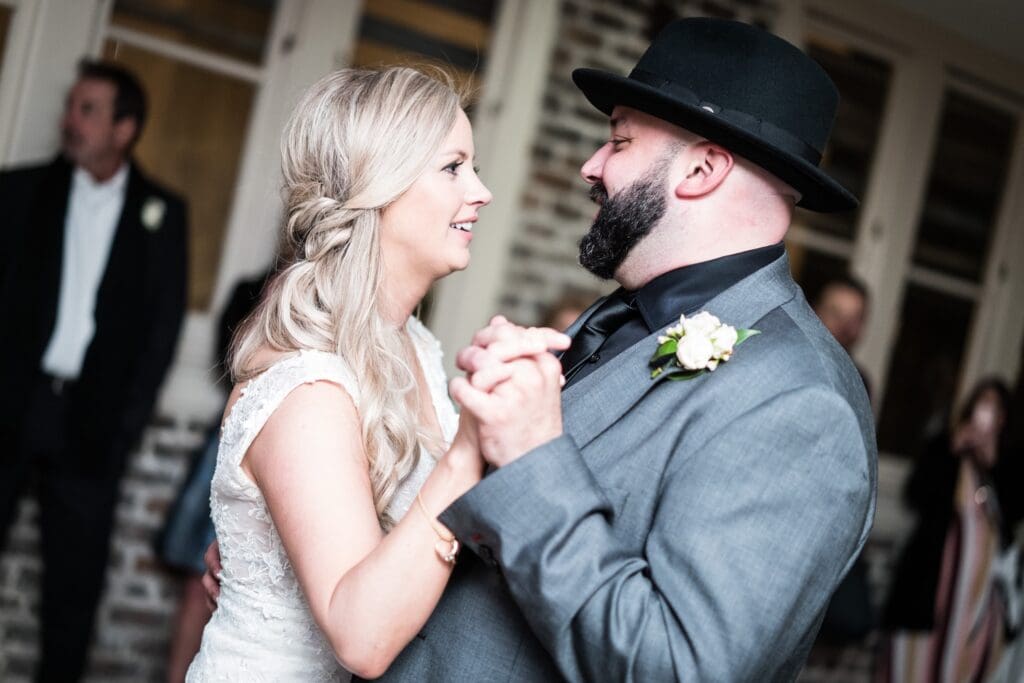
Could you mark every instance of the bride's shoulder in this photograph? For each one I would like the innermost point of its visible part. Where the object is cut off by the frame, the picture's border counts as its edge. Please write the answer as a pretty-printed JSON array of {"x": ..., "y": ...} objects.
[
  {"x": 275, "y": 374},
  {"x": 268, "y": 363}
]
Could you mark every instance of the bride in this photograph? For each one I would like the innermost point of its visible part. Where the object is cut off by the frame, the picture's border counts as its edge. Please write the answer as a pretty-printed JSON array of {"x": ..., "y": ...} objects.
[{"x": 339, "y": 423}]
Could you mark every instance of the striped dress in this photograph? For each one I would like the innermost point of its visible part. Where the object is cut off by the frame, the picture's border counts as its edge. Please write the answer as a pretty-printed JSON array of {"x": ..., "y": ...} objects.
[{"x": 967, "y": 638}]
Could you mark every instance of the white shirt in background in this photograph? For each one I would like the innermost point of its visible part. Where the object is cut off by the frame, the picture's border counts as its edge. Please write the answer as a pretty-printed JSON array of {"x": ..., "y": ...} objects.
[{"x": 94, "y": 210}]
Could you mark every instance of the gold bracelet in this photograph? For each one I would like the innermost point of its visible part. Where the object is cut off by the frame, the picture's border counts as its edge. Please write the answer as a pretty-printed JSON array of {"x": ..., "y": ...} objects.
[{"x": 448, "y": 547}]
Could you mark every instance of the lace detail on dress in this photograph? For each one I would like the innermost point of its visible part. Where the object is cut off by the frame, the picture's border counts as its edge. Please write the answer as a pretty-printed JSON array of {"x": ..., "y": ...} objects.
[{"x": 263, "y": 629}]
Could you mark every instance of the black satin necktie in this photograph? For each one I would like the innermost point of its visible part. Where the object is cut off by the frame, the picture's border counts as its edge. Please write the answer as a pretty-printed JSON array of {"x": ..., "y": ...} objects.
[{"x": 616, "y": 310}]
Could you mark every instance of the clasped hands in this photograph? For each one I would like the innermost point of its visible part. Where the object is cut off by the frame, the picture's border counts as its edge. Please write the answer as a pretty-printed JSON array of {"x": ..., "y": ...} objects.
[{"x": 511, "y": 389}]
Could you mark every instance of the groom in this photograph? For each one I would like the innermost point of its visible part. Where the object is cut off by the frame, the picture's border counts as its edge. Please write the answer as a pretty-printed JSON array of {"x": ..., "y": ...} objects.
[{"x": 649, "y": 529}]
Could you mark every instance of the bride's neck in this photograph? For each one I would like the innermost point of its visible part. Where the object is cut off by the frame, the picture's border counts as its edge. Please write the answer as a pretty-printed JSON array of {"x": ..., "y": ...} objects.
[{"x": 401, "y": 299}]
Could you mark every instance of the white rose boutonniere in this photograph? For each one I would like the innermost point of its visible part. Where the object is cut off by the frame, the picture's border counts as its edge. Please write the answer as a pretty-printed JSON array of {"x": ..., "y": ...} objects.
[
  {"x": 153, "y": 213},
  {"x": 695, "y": 346}
]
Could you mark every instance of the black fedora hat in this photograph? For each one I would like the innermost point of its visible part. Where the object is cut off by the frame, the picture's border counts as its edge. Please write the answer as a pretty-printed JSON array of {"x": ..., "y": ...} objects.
[{"x": 738, "y": 86}]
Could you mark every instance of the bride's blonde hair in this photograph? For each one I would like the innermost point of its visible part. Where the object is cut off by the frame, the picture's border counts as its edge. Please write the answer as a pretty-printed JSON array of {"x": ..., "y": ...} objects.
[{"x": 356, "y": 142}]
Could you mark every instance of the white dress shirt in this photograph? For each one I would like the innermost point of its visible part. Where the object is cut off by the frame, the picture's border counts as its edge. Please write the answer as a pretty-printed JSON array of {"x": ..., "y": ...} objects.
[{"x": 94, "y": 210}]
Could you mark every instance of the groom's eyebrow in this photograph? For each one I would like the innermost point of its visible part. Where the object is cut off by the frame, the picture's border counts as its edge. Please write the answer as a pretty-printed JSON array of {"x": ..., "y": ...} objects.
[{"x": 619, "y": 121}]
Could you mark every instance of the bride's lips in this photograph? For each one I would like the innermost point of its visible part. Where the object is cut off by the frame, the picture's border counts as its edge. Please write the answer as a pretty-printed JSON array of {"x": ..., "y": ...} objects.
[{"x": 464, "y": 227}]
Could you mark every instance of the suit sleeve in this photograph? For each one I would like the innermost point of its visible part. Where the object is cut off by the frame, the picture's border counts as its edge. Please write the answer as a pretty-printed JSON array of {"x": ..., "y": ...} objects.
[
  {"x": 751, "y": 533},
  {"x": 160, "y": 324}
]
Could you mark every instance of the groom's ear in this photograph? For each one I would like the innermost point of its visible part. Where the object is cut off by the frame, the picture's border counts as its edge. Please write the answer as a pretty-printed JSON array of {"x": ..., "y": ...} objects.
[{"x": 705, "y": 166}]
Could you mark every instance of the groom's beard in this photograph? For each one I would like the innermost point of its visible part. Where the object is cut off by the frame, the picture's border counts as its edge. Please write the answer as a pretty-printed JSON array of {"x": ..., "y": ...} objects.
[{"x": 621, "y": 222}]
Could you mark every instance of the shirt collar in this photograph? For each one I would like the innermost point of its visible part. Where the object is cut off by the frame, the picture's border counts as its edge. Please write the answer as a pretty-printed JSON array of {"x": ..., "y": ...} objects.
[
  {"x": 684, "y": 290},
  {"x": 83, "y": 180}
]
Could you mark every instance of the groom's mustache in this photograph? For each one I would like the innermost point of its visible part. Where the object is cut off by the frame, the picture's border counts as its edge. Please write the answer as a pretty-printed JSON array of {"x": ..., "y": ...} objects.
[{"x": 598, "y": 193}]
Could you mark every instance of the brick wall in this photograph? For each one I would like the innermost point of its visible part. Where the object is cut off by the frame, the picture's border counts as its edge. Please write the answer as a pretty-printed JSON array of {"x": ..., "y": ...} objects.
[{"x": 135, "y": 616}]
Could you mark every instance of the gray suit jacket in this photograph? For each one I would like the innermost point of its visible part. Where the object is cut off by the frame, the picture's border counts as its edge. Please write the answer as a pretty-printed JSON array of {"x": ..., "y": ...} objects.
[{"x": 687, "y": 530}]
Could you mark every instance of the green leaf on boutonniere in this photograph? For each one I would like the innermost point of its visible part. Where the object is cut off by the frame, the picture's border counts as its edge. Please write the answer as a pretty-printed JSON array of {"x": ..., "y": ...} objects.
[
  {"x": 666, "y": 349},
  {"x": 663, "y": 356},
  {"x": 744, "y": 335},
  {"x": 683, "y": 375}
]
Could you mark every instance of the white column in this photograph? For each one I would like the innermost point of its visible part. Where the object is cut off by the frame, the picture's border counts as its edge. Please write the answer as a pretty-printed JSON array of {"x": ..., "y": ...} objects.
[
  {"x": 506, "y": 122},
  {"x": 888, "y": 221},
  {"x": 47, "y": 39}
]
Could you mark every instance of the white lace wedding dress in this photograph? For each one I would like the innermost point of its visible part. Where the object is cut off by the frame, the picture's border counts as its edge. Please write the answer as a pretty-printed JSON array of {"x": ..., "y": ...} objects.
[{"x": 262, "y": 629}]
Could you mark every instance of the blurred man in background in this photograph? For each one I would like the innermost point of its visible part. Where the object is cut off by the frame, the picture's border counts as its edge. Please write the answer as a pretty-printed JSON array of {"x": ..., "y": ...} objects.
[
  {"x": 92, "y": 294},
  {"x": 842, "y": 305}
]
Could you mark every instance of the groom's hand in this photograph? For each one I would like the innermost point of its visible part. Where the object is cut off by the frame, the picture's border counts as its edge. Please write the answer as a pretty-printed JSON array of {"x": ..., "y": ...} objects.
[
  {"x": 211, "y": 579},
  {"x": 513, "y": 388}
]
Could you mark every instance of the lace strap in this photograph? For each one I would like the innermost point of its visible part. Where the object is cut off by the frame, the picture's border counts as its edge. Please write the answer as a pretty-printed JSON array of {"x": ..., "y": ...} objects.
[{"x": 265, "y": 393}]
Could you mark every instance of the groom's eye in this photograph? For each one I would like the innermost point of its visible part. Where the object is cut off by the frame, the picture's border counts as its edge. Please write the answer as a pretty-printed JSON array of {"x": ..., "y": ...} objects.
[{"x": 618, "y": 142}]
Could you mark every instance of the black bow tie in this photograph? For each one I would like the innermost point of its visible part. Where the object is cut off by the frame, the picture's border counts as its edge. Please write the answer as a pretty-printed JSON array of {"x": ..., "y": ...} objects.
[{"x": 616, "y": 310}]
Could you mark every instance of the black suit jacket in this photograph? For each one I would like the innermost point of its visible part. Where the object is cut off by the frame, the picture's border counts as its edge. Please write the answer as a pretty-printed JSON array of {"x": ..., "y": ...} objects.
[{"x": 139, "y": 308}]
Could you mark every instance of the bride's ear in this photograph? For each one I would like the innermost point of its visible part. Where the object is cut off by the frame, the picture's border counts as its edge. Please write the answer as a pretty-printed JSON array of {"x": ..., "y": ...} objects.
[{"x": 706, "y": 166}]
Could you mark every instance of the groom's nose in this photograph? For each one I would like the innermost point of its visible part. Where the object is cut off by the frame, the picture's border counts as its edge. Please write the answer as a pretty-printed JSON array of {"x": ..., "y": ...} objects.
[{"x": 593, "y": 168}]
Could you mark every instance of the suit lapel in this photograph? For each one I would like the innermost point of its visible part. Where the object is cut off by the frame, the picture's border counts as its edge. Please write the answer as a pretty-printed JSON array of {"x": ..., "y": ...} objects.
[
  {"x": 600, "y": 399},
  {"x": 53, "y": 204},
  {"x": 46, "y": 242},
  {"x": 125, "y": 255}
]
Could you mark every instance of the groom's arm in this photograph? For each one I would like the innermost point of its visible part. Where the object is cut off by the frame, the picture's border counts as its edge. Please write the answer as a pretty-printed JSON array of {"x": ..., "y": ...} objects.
[{"x": 750, "y": 534}]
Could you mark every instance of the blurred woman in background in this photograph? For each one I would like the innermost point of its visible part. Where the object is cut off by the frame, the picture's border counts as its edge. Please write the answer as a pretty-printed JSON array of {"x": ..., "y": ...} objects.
[{"x": 945, "y": 615}]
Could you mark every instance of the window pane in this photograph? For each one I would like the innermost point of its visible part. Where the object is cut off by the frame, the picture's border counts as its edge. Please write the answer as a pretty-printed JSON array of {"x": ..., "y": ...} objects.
[
  {"x": 924, "y": 369},
  {"x": 5, "y": 13},
  {"x": 813, "y": 269},
  {"x": 863, "y": 83},
  {"x": 192, "y": 142},
  {"x": 453, "y": 33},
  {"x": 234, "y": 28},
  {"x": 967, "y": 178},
  {"x": 5, "y": 23}
]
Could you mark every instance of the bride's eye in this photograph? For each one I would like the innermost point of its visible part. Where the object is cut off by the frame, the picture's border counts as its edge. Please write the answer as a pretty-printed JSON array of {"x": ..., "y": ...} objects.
[{"x": 453, "y": 168}]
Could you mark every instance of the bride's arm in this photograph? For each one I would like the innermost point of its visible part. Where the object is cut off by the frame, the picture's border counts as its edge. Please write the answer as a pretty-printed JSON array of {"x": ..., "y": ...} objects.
[{"x": 370, "y": 593}]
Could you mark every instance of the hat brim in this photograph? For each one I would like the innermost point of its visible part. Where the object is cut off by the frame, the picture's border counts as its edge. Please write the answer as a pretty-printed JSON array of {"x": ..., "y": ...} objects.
[{"x": 818, "y": 191}]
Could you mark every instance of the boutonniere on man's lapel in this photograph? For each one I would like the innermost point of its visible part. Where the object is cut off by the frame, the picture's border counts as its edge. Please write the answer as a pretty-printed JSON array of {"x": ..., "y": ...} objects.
[
  {"x": 152, "y": 215},
  {"x": 695, "y": 346}
]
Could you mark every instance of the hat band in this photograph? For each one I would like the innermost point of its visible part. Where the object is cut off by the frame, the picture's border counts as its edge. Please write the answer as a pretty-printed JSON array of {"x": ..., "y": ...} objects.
[{"x": 765, "y": 130}]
